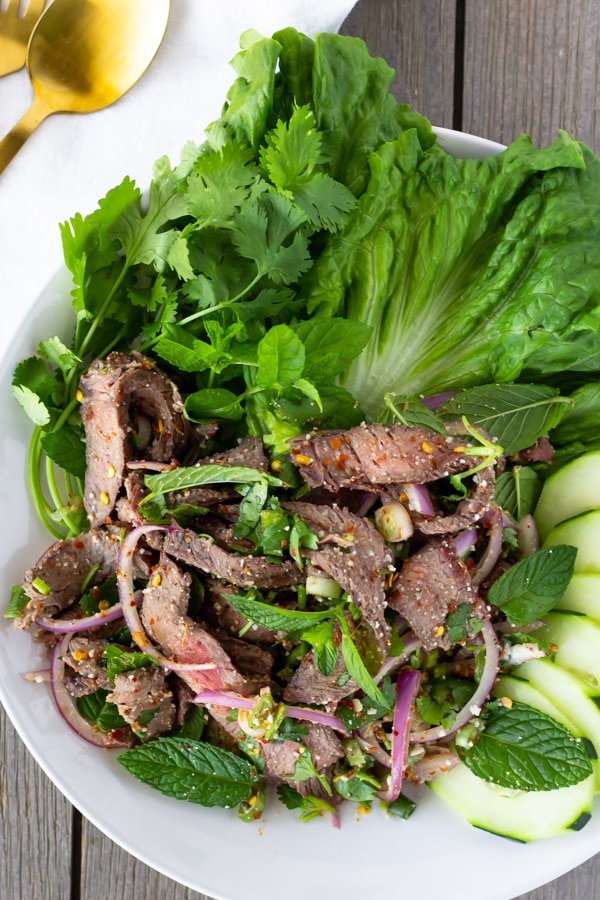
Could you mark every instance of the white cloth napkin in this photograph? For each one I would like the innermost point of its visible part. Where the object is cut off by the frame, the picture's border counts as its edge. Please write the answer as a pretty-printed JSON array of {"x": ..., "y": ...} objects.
[{"x": 70, "y": 162}]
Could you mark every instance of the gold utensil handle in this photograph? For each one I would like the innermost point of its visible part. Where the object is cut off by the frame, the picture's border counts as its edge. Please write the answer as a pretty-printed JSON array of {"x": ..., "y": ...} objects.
[{"x": 16, "y": 137}]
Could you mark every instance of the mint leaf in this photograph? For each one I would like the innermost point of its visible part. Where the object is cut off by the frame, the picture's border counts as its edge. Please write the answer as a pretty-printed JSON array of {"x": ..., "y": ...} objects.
[
  {"x": 276, "y": 618},
  {"x": 118, "y": 660},
  {"x": 411, "y": 411},
  {"x": 191, "y": 770},
  {"x": 96, "y": 709},
  {"x": 516, "y": 415},
  {"x": 524, "y": 749},
  {"x": 320, "y": 638},
  {"x": 209, "y": 473},
  {"x": 280, "y": 358},
  {"x": 531, "y": 587},
  {"x": 517, "y": 491},
  {"x": 330, "y": 345},
  {"x": 357, "y": 669}
]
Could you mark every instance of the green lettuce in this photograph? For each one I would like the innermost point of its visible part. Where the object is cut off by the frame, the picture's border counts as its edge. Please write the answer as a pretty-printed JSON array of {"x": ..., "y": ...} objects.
[{"x": 468, "y": 271}]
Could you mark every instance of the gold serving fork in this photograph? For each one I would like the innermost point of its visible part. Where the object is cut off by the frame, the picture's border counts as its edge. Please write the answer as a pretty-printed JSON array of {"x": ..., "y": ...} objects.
[{"x": 16, "y": 25}]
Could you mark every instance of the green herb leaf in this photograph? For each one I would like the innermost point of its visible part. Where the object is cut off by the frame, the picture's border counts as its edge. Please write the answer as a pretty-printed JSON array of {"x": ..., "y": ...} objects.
[
  {"x": 191, "y": 770},
  {"x": 277, "y": 618},
  {"x": 517, "y": 415},
  {"x": 17, "y": 603},
  {"x": 66, "y": 447},
  {"x": 280, "y": 358},
  {"x": 95, "y": 708},
  {"x": 517, "y": 491},
  {"x": 118, "y": 660},
  {"x": 531, "y": 587},
  {"x": 358, "y": 671},
  {"x": 524, "y": 749}
]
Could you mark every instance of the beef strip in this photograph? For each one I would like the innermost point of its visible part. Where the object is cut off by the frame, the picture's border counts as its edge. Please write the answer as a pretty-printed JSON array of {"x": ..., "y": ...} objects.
[
  {"x": 432, "y": 583},
  {"x": 370, "y": 455},
  {"x": 249, "y": 452},
  {"x": 219, "y": 612},
  {"x": 65, "y": 565},
  {"x": 164, "y": 615},
  {"x": 244, "y": 571},
  {"x": 145, "y": 701},
  {"x": 250, "y": 659},
  {"x": 352, "y": 552},
  {"x": 114, "y": 391},
  {"x": 468, "y": 511},
  {"x": 85, "y": 671}
]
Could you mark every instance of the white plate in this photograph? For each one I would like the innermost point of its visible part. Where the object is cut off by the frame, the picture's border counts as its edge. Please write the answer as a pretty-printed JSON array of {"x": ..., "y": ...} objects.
[{"x": 210, "y": 850}]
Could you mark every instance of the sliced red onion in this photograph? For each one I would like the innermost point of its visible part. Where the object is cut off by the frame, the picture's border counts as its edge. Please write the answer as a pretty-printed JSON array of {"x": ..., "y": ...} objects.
[
  {"x": 64, "y": 626},
  {"x": 474, "y": 705},
  {"x": 407, "y": 686},
  {"x": 127, "y": 597},
  {"x": 368, "y": 501},
  {"x": 367, "y": 742},
  {"x": 434, "y": 401},
  {"x": 419, "y": 499},
  {"x": 465, "y": 540},
  {"x": 491, "y": 554},
  {"x": 528, "y": 537},
  {"x": 390, "y": 665},
  {"x": 67, "y": 708},
  {"x": 234, "y": 701}
]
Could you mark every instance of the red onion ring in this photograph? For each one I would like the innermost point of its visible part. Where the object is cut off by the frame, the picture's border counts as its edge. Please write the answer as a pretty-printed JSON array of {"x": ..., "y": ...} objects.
[
  {"x": 492, "y": 552},
  {"x": 234, "y": 701},
  {"x": 407, "y": 686},
  {"x": 64, "y": 626},
  {"x": 419, "y": 499},
  {"x": 371, "y": 746},
  {"x": 410, "y": 643},
  {"x": 473, "y": 706},
  {"x": 434, "y": 401},
  {"x": 68, "y": 710},
  {"x": 465, "y": 540},
  {"x": 127, "y": 597}
]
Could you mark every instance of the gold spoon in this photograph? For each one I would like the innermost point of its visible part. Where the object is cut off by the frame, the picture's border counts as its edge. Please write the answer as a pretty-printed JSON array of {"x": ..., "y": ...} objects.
[{"x": 85, "y": 54}]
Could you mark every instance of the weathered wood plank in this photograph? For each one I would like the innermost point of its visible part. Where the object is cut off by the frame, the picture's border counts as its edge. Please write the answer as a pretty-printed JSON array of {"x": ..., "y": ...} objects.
[
  {"x": 35, "y": 826},
  {"x": 582, "y": 883},
  {"x": 109, "y": 873},
  {"x": 532, "y": 66},
  {"x": 417, "y": 40}
]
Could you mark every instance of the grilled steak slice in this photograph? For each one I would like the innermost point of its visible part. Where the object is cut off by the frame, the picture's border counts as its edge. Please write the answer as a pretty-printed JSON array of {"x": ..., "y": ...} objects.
[
  {"x": 84, "y": 672},
  {"x": 250, "y": 659},
  {"x": 432, "y": 583},
  {"x": 351, "y": 551},
  {"x": 377, "y": 454},
  {"x": 243, "y": 571},
  {"x": 164, "y": 615},
  {"x": 63, "y": 567},
  {"x": 281, "y": 756},
  {"x": 468, "y": 512},
  {"x": 249, "y": 452},
  {"x": 145, "y": 701},
  {"x": 116, "y": 390}
]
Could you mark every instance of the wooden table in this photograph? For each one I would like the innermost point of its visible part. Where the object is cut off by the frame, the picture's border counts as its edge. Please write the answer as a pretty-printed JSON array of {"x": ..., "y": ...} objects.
[{"x": 494, "y": 68}]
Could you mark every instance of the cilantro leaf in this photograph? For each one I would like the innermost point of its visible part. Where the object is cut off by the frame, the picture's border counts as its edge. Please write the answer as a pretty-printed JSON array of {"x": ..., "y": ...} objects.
[
  {"x": 66, "y": 447},
  {"x": 524, "y": 749}
]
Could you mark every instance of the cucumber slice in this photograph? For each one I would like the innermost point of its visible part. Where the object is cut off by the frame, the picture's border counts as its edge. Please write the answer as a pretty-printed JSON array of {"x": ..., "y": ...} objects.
[
  {"x": 523, "y": 691},
  {"x": 573, "y": 490},
  {"x": 582, "y": 595},
  {"x": 582, "y": 532},
  {"x": 572, "y": 695},
  {"x": 520, "y": 815},
  {"x": 577, "y": 638}
]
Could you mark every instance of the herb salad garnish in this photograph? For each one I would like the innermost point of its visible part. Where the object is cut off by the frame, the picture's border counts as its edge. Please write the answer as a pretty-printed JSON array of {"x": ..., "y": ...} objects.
[{"x": 337, "y": 366}]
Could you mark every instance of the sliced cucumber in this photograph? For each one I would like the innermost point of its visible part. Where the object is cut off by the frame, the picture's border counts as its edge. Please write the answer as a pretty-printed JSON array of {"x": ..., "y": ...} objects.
[
  {"x": 582, "y": 532},
  {"x": 523, "y": 691},
  {"x": 582, "y": 595},
  {"x": 572, "y": 490},
  {"x": 577, "y": 638},
  {"x": 520, "y": 815},
  {"x": 571, "y": 694}
]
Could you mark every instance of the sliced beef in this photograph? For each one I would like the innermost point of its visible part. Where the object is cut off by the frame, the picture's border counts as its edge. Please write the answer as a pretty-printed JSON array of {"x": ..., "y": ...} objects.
[
  {"x": 244, "y": 571},
  {"x": 219, "y": 612},
  {"x": 249, "y": 452},
  {"x": 63, "y": 567},
  {"x": 376, "y": 455},
  {"x": 164, "y": 615},
  {"x": 354, "y": 554},
  {"x": 116, "y": 391},
  {"x": 127, "y": 505},
  {"x": 541, "y": 451},
  {"x": 431, "y": 584},
  {"x": 309, "y": 685},
  {"x": 250, "y": 659},
  {"x": 145, "y": 701},
  {"x": 437, "y": 761},
  {"x": 85, "y": 670},
  {"x": 468, "y": 511},
  {"x": 281, "y": 757}
]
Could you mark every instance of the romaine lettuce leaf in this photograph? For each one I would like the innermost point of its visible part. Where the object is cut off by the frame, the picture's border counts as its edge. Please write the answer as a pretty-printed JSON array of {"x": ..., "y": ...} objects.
[{"x": 467, "y": 270}]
